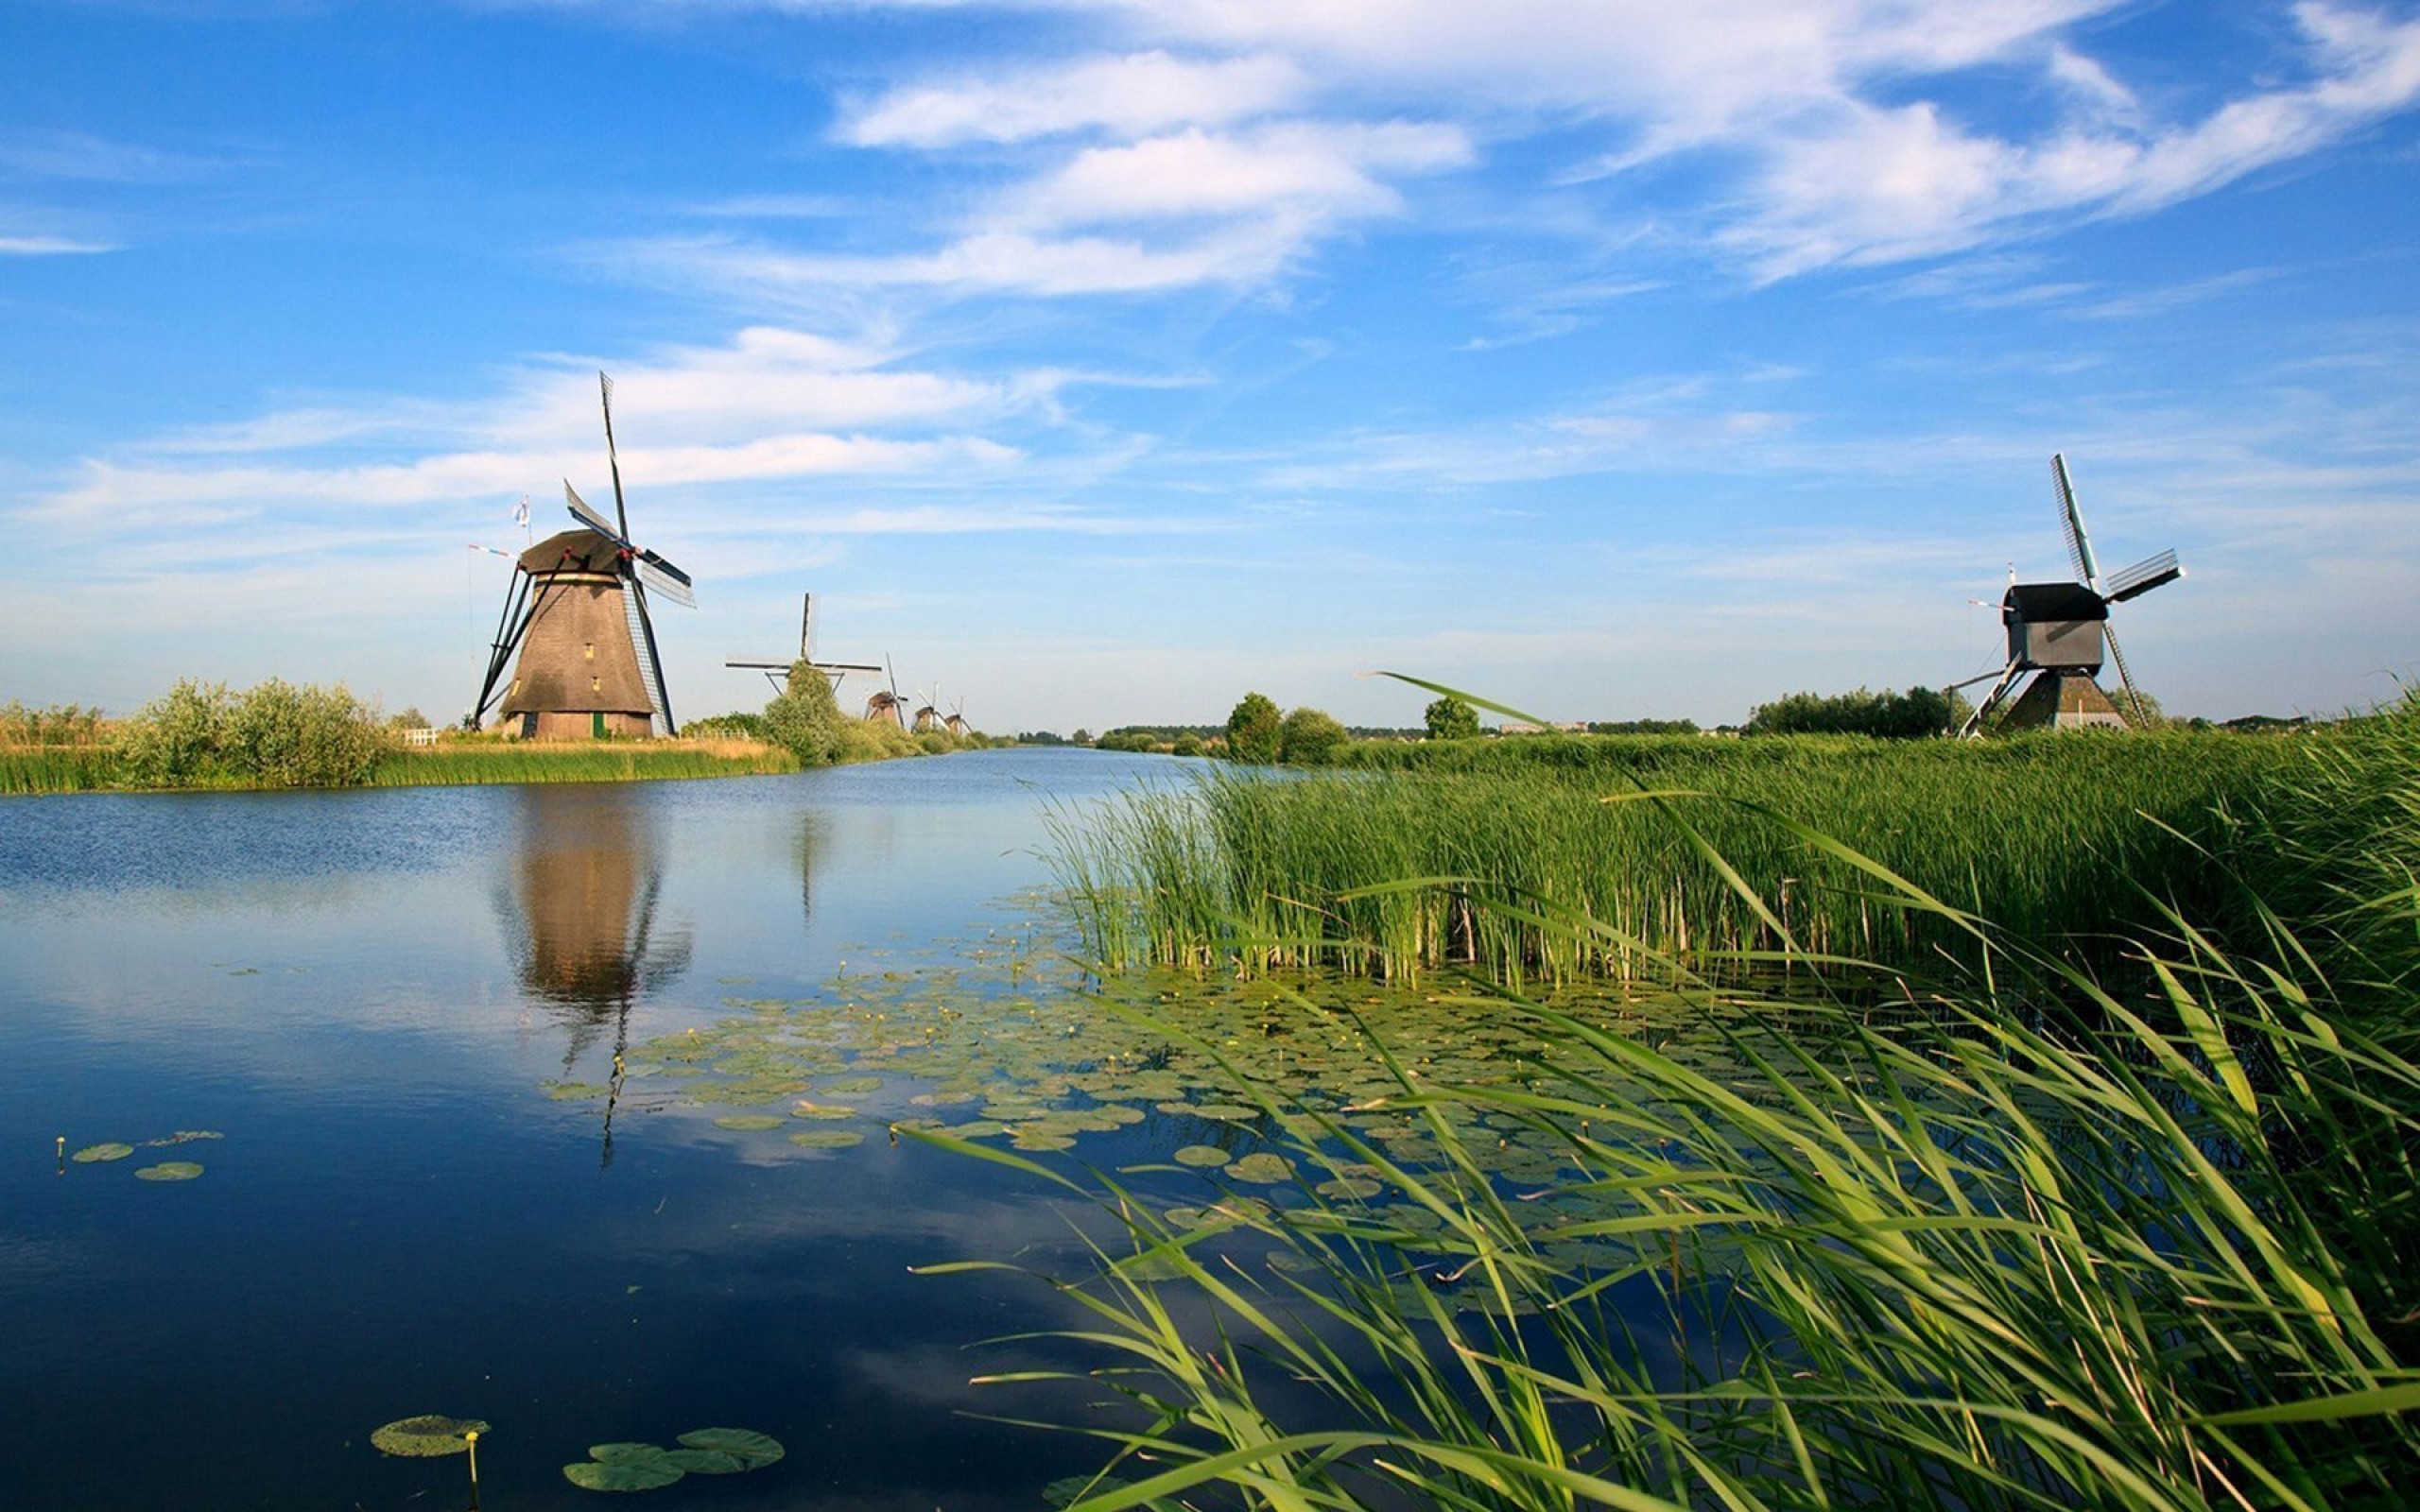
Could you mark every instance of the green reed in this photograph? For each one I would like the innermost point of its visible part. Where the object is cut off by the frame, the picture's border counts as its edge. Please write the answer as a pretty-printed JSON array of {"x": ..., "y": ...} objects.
[
  {"x": 497, "y": 761},
  {"x": 1478, "y": 857},
  {"x": 57, "y": 768},
  {"x": 2021, "y": 1241}
]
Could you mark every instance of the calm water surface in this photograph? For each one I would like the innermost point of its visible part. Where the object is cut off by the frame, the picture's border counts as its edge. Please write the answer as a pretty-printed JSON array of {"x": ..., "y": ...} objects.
[{"x": 365, "y": 994}]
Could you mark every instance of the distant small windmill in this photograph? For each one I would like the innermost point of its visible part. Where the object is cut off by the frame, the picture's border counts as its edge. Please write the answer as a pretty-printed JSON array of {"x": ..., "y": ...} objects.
[
  {"x": 929, "y": 713},
  {"x": 577, "y": 613},
  {"x": 778, "y": 673},
  {"x": 956, "y": 723},
  {"x": 886, "y": 703},
  {"x": 2057, "y": 629}
]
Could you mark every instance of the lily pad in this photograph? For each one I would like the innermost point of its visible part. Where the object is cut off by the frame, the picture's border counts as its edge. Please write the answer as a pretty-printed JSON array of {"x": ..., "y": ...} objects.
[
  {"x": 625, "y": 1475},
  {"x": 827, "y": 1139},
  {"x": 749, "y": 1122},
  {"x": 1204, "y": 1155},
  {"x": 1349, "y": 1186},
  {"x": 804, "y": 1109},
  {"x": 427, "y": 1436},
  {"x": 572, "y": 1092},
  {"x": 746, "y": 1445},
  {"x": 626, "y": 1454},
  {"x": 1262, "y": 1168},
  {"x": 707, "y": 1461},
  {"x": 854, "y": 1086},
  {"x": 170, "y": 1170},
  {"x": 112, "y": 1151}
]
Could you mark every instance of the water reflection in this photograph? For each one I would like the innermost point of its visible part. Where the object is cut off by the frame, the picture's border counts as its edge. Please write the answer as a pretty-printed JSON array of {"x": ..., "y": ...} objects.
[
  {"x": 810, "y": 840},
  {"x": 581, "y": 912}
]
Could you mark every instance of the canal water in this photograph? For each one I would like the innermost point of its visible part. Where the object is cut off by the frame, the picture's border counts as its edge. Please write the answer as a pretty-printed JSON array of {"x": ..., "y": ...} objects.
[{"x": 385, "y": 1024}]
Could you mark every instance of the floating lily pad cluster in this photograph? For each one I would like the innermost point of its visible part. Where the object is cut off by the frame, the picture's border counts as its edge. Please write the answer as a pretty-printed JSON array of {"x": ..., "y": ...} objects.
[
  {"x": 1251, "y": 1082},
  {"x": 110, "y": 1152},
  {"x": 631, "y": 1467}
]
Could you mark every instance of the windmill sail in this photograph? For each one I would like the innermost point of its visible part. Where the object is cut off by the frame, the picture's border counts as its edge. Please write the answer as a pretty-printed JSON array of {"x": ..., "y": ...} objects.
[
  {"x": 665, "y": 579},
  {"x": 2071, "y": 522},
  {"x": 650, "y": 672},
  {"x": 587, "y": 516},
  {"x": 2126, "y": 680},
  {"x": 2146, "y": 575},
  {"x": 605, "y": 395}
]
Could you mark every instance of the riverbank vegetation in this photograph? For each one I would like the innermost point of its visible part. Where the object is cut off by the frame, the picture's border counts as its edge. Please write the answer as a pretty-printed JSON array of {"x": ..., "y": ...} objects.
[
  {"x": 1479, "y": 853},
  {"x": 806, "y": 720},
  {"x": 2109, "y": 1207},
  {"x": 276, "y": 734}
]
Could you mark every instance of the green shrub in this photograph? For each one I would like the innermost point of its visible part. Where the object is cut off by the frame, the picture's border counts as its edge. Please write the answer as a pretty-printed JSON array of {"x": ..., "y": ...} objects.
[
  {"x": 174, "y": 741},
  {"x": 1189, "y": 744},
  {"x": 1309, "y": 737},
  {"x": 875, "y": 740},
  {"x": 807, "y": 719},
  {"x": 1254, "y": 730},
  {"x": 1910, "y": 715},
  {"x": 1449, "y": 718},
  {"x": 280, "y": 735}
]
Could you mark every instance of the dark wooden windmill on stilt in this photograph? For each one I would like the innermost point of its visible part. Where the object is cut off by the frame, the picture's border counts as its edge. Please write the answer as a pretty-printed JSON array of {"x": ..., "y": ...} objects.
[
  {"x": 778, "y": 673},
  {"x": 2057, "y": 630},
  {"x": 577, "y": 613}
]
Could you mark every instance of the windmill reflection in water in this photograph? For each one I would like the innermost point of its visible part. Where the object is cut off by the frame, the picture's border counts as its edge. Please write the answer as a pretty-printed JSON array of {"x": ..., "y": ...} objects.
[{"x": 580, "y": 912}]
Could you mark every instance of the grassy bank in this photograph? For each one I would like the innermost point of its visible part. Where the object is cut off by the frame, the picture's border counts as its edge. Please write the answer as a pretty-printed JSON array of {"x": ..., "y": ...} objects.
[
  {"x": 1987, "y": 1234},
  {"x": 1554, "y": 859},
  {"x": 454, "y": 761},
  {"x": 101, "y": 767}
]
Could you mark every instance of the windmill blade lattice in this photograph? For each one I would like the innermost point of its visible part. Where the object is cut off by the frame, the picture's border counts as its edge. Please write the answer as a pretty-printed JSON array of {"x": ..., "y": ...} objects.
[{"x": 2071, "y": 522}]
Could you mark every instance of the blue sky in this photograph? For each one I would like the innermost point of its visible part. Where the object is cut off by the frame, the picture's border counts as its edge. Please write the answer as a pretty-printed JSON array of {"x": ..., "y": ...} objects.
[{"x": 1101, "y": 360}]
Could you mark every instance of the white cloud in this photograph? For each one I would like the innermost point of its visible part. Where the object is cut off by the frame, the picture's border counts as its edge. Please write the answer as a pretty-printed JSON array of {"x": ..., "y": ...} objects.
[
  {"x": 51, "y": 247},
  {"x": 1129, "y": 96},
  {"x": 1319, "y": 172},
  {"x": 1840, "y": 118},
  {"x": 771, "y": 405}
]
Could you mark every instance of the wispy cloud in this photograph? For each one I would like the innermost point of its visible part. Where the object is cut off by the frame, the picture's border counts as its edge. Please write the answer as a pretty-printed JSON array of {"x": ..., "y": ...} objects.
[
  {"x": 1835, "y": 121},
  {"x": 11, "y": 246},
  {"x": 81, "y": 157},
  {"x": 1129, "y": 95}
]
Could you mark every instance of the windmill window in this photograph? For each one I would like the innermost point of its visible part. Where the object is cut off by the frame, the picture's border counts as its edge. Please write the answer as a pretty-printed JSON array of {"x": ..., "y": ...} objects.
[
  {"x": 592, "y": 650},
  {"x": 596, "y": 684}
]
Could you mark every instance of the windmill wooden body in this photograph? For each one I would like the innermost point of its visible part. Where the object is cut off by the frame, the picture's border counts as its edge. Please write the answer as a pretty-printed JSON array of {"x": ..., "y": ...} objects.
[
  {"x": 2058, "y": 631},
  {"x": 575, "y": 615}
]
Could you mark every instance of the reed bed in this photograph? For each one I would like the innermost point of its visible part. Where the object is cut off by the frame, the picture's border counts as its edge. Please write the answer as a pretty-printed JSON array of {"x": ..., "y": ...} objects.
[
  {"x": 1483, "y": 859},
  {"x": 2020, "y": 1242},
  {"x": 57, "y": 768},
  {"x": 466, "y": 762},
  {"x": 102, "y": 767}
]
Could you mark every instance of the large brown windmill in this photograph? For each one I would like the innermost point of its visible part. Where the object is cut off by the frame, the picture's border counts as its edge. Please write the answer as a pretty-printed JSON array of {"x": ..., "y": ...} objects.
[{"x": 577, "y": 613}]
